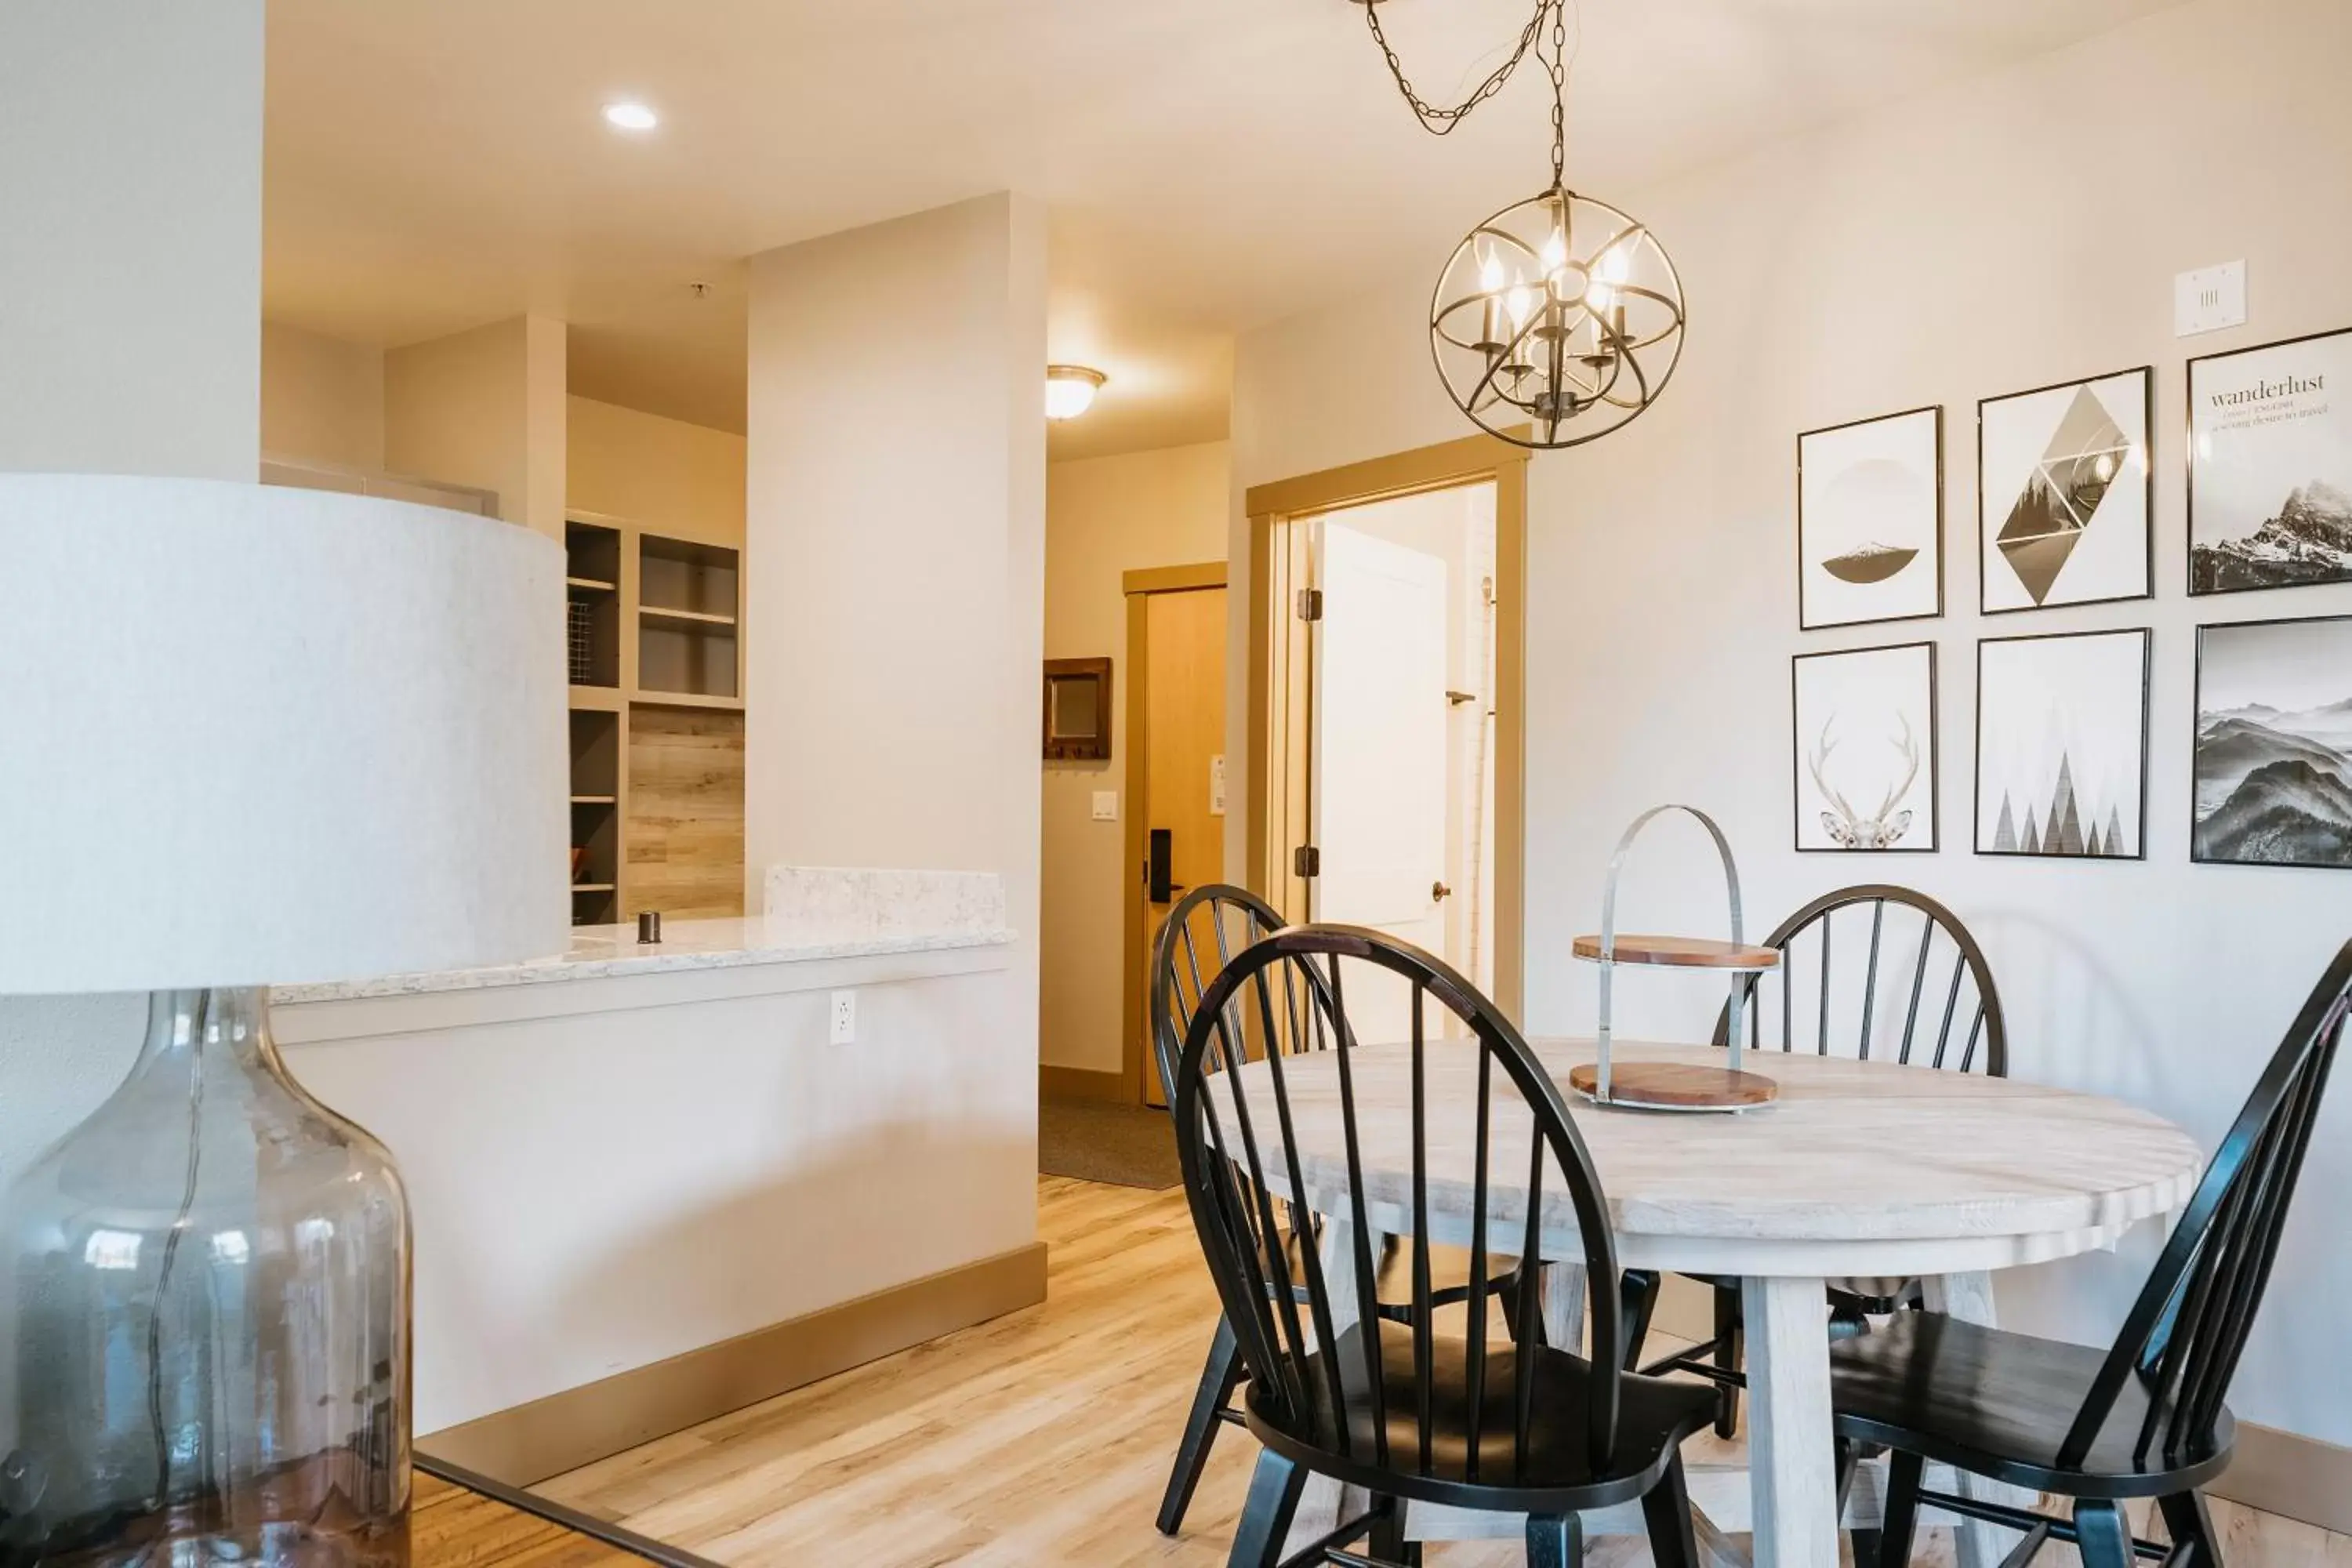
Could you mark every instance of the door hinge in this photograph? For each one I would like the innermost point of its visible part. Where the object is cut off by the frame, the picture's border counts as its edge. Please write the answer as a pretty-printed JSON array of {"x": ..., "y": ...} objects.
[
  {"x": 1311, "y": 604},
  {"x": 1306, "y": 861}
]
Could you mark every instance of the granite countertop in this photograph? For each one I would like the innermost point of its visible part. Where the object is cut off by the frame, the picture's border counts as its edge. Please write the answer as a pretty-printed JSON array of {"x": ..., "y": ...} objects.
[{"x": 602, "y": 952}]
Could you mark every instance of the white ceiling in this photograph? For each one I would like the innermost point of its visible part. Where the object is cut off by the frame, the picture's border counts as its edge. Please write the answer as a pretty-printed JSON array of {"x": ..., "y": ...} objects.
[{"x": 1209, "y": 165}]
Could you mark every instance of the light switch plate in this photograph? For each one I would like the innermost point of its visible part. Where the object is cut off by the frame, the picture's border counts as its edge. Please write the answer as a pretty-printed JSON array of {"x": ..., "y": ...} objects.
[
  {"x": 1217, "y": 785},
  {"x": 1106, "y": 805},
  {"x": 2208, "y": 299}
]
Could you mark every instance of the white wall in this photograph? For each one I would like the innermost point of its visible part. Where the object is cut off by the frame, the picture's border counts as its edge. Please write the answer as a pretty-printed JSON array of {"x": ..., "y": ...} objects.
[
  {"x": 322, "y": 398},
  {"x": 894, "y": 556},
  {"x": 484, "y": 407},
  {"x": 131, "y": 250},
  {"x": 1105, "y": 516},
  {"x": 676, "y": 478},
  {"x": 1999, "y": 235},
  {"x": 130, "y": 341}
]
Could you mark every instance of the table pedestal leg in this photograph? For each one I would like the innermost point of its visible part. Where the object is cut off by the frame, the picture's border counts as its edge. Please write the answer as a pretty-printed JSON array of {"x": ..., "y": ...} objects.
[
  {"x": 1325, "y": 1502},
  {"x": 1563, "y": 1306},
  {"x": 1793, "y": 1469},
  {"x": 1968, "y": 1297}
]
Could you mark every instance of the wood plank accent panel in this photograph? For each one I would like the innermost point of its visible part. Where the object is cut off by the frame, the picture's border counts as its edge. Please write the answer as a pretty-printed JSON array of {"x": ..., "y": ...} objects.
[
  {"x": 685, "y": 830},
  {"x": 581, "y": 1426}
]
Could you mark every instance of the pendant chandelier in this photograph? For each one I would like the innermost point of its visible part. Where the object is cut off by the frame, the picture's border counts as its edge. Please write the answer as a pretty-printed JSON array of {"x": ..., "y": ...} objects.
[{"x": 1559, "y": 319}]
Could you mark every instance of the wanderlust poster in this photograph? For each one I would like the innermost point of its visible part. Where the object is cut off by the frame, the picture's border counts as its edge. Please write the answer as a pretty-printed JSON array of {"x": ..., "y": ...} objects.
[{"x": 2270, "y": 476}]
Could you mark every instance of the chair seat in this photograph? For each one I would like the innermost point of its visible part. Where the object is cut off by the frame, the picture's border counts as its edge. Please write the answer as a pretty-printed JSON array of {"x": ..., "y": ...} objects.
[
  {"x": 1552, "y": 1475},
  {"x": 2000, "y": 1403}
]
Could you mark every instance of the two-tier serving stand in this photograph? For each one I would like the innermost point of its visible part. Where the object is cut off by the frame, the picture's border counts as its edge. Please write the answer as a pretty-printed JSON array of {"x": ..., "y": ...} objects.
[{"x": 1675, "y": 1086}]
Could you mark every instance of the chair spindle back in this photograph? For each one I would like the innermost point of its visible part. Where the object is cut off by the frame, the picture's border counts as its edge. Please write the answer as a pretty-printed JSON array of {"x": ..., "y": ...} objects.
[
  {"x": 1310, "y": 1339},
  {"x": 1926, "y": 971},
  {"x": 2185, "y": 1334},
  {"x": 1200, "y": 937}
]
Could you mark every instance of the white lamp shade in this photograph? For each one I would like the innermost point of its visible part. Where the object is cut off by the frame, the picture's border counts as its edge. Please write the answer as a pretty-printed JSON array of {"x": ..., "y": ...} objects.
[{"x": 255, "y": 735}]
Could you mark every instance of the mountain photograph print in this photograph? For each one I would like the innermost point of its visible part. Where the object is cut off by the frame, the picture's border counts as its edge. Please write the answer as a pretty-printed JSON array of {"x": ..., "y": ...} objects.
[
  {"x": 2270, "y": 465},
  {"x": 1865, "y": 737},
  {"x": 1870, "y": 520},
  {"x": 2274, "y": 772},
  {"x": 2064, "y": 493},
  {"x": 2062, "y": 745}
]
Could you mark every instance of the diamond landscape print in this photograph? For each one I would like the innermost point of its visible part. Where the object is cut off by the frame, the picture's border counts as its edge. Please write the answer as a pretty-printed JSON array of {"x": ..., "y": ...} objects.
[
  {"x": 2064, "y": 492},
  {"x": 1870, "y": 520},
  {"x": 2274, "y": 772},
  {"x": 2270, "y": 465},
  {"x": 2062, "y": 745}
]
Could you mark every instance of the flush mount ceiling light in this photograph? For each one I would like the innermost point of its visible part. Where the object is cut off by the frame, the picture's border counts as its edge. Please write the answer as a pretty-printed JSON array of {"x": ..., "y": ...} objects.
[
  {"x": 1558, "y": 319},
  {"x": 629, "y": 115},
  {"x": 1070, "y": 390}
]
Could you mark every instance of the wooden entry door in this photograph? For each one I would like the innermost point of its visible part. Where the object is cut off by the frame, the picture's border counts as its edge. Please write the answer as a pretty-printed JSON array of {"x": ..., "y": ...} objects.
[{"x": 1178, "y": 719}]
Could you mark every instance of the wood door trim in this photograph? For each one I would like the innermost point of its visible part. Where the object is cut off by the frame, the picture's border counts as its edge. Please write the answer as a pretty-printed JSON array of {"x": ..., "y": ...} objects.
[
  {"x": 1447, "y": 464},
  {"x": 1377, "y": 478},
  {"x": 1139, "y": 587},
  {"x": 1173, "y": 579}
]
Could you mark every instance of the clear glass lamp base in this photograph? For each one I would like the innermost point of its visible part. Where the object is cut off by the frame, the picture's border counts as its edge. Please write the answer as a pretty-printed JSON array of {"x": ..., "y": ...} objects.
[{"x": 206, "y": 1306}]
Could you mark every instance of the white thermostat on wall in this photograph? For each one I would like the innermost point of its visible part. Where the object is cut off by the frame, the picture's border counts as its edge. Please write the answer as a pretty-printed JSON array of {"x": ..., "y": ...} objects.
[{"x": 2208, "y": 299}]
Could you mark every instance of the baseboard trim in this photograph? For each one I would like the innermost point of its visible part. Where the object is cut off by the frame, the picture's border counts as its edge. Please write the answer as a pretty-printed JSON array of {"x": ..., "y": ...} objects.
[
  {"x": 580, "y": 1426},
  {"x": 1083, "y": 1083},
  {"x": 2288, "y": 1474}
]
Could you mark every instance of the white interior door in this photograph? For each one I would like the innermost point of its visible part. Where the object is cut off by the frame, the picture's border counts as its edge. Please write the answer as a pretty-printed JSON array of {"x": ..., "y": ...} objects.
[{"x": 1380, "y": 759}]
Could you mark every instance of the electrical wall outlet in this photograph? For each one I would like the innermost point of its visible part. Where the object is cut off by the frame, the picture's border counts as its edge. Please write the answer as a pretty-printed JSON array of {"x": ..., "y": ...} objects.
[
  {"x": 1106, "y": 805},
  {"x": 844, "y": 1029}
]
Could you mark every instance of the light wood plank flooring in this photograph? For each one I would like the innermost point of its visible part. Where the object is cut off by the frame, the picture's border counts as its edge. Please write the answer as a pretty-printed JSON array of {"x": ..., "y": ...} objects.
[{"x": 1044, "y": 1439}]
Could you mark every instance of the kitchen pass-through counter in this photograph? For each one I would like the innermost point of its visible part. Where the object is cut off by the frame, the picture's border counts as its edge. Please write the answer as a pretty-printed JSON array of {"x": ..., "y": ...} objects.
[{"x": 649, "y": 1182}]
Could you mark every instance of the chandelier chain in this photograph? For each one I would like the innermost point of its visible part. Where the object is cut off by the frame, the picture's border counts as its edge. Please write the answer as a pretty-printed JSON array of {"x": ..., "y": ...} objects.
[
  {"x": 1559, "y": 88},
  {"x": 1440, "y": 119}
]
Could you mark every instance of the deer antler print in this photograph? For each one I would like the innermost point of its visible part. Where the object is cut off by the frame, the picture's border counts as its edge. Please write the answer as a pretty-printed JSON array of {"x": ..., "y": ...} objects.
[{"x": 1848, "y": 828}]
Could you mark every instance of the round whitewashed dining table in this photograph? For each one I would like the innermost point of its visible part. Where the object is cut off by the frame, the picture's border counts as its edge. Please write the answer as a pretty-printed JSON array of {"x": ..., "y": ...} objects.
[{"x": 1858, "y": 1169}]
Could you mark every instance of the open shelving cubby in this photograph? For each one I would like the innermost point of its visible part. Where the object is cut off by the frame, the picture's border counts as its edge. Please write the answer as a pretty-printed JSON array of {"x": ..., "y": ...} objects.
[
  {"x": 592, "y": 593},
  {"x": 657, "y": 806},
  {"x": 598, "y": 748},
  {"x": 689, "y": 604}
]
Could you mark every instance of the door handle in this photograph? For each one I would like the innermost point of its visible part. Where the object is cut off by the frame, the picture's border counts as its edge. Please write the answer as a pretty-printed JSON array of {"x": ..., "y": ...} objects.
[
  {"x": 1159, "y": 872},
  {"x": 1439, "y": 892}
]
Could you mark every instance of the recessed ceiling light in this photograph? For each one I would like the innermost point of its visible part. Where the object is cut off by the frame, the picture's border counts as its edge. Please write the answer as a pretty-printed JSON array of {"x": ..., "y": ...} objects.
[
  {"x": 629, "y": 116},
  {"x": 1070, "y": 390}
]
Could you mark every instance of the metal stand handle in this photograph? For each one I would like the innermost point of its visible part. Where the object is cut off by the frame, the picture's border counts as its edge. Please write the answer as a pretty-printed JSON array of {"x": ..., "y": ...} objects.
[{"x": 1609, "y": 930}]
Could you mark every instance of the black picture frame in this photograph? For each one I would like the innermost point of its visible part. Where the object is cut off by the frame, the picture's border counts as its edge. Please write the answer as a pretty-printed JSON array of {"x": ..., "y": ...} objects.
[
  {"x": 1976, "y": 801},
  {"x": 1934, "y": 762},
  {"x": 2189, "y": 445},
  {"x": 2146, "y": 374},
  {"x": 1803, "y": 623},
  {"x": 2196, "y": 726}
]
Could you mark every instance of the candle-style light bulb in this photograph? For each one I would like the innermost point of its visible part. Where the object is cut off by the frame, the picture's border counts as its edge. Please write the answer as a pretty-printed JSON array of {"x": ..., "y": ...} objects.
[{"x": 1490, "y": 284}]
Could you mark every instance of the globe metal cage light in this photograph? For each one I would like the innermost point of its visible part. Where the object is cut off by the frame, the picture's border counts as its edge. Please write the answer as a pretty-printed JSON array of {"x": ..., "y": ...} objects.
[
  {"x": 1559, "y": 319},
  {"x": 1556, "y": 320}
]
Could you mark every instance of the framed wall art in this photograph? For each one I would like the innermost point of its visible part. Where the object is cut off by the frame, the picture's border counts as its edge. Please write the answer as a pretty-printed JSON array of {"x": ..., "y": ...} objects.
[
  {"x": 2065, "y": 494},
  {"x": 1870, "y": 520},
  {"x": 1864, "y": 737},
  {"x": 2272, "y": 775},
  {"x": 2062, "y": 745},
  {"x": 2270, "y": 465}
]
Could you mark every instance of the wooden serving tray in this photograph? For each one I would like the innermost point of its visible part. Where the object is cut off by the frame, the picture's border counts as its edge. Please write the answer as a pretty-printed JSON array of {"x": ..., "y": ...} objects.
[
  {"x": 1680, "y": 952},
  {"x": 1675, "y": 1086}
]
